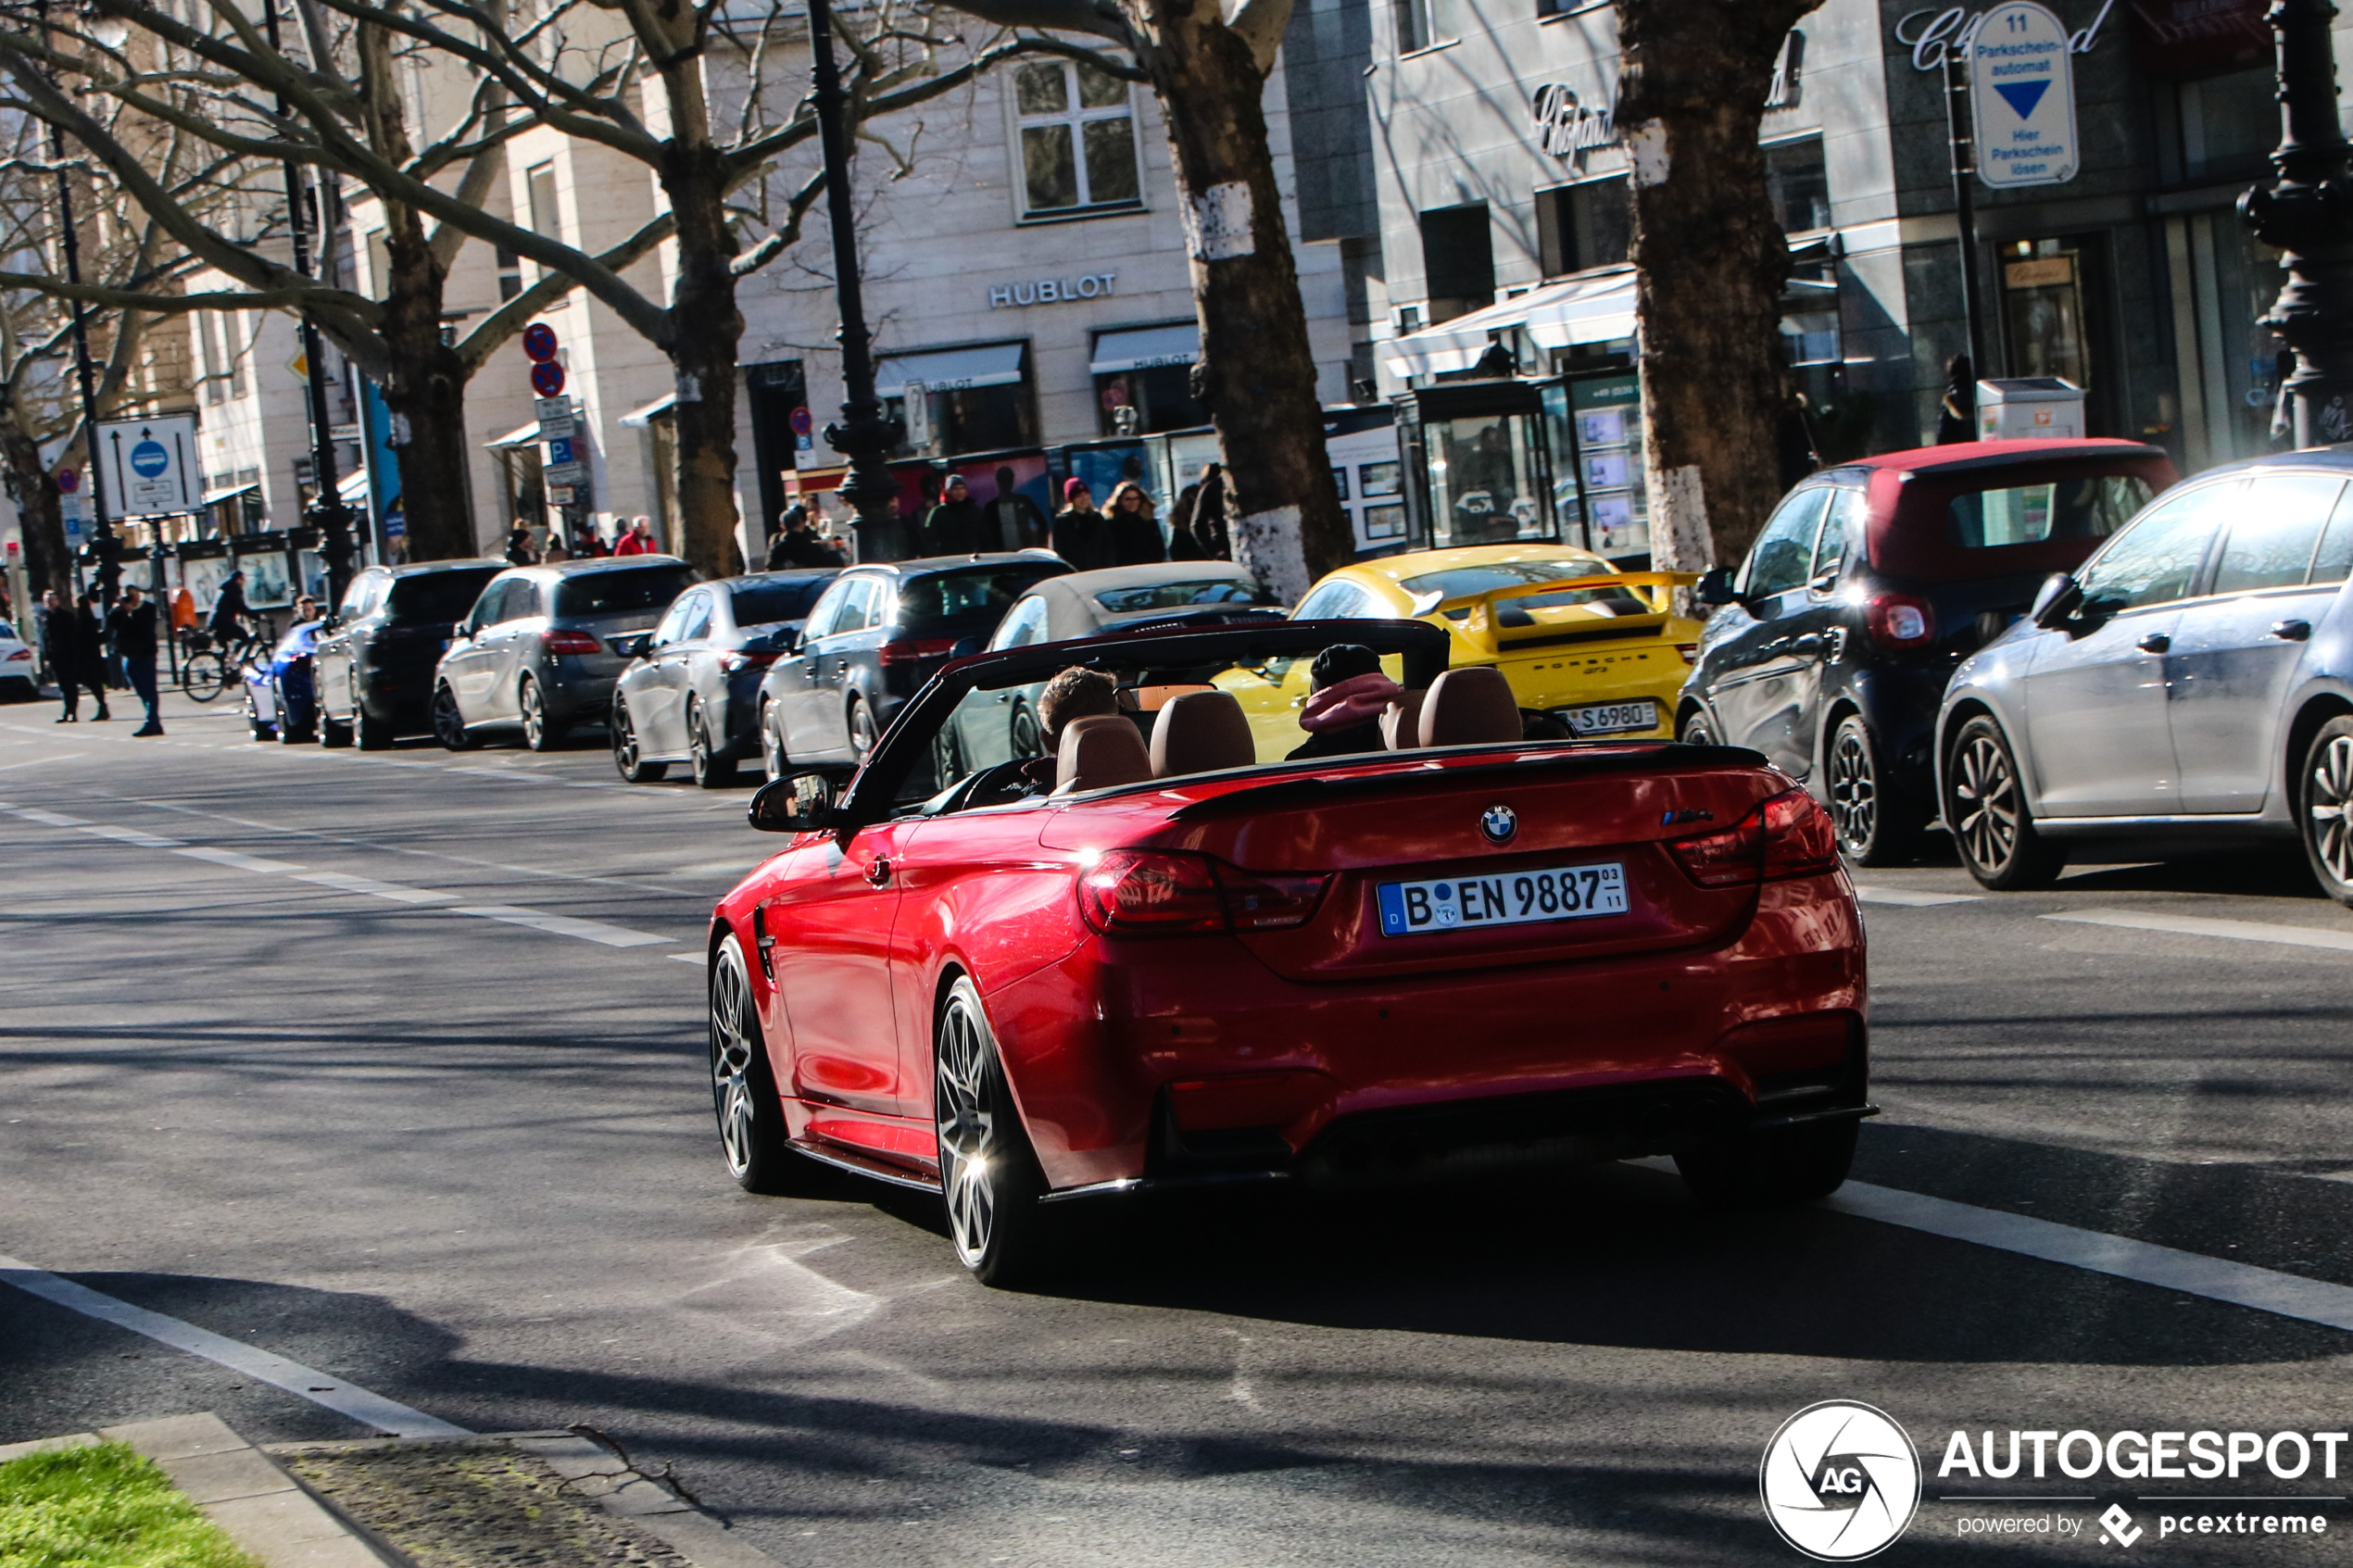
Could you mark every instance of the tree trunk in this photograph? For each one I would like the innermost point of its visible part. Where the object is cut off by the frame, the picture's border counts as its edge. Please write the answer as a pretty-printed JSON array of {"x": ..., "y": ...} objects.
[
  {"x": 706, "y": 328},
  {"x": 1710, "y": 261},
  {"x": 425, "y": 391},
  {"x": 1257, "y": 374},
  {"x": 48, "y": 564}
]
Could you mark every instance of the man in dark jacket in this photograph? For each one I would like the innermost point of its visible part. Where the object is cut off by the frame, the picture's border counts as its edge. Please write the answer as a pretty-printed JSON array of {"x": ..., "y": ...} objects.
[
  {"x": 132, "y": 625},
  {"x": 1082, "y": 535},
  {"x": 229, "y": 613},
  {"x": 955, "y": 526},
  {"x": 797, "y": 544},
  {"x": 1208, "y": 515},
  {"x": 58, "y": 635},
  {"x": 1016, "y": 521},
  {"x": 89, "y": 663}
]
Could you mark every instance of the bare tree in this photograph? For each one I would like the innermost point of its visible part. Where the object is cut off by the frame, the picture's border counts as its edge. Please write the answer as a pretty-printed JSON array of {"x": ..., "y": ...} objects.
[{"x": 1710, "y": 263}]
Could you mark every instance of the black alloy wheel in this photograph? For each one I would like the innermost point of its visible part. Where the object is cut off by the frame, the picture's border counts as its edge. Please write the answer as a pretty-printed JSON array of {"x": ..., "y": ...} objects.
[
  {"x": 1876, "y": 823},
  {"x": 540, "y": 732},
  {"x": 449, "y": 720},
  {"x": 2328, "y": 809},
  {"x": 332, "y": 732},
  {"x": 988, "y": 1175},
  {"x": 371, "y": 732},
  {"x": 712, "y": 770},
  {"x": 752, "y": 1134},
  {"x": 628, "y": 757},
  {"x": 1985, "y": 811}
]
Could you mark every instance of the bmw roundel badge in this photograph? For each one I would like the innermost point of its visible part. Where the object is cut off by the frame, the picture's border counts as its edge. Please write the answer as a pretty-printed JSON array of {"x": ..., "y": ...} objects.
[{"x": 1500, "y": 823}]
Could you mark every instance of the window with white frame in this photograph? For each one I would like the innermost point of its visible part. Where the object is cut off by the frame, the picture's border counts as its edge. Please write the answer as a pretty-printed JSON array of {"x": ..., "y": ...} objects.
[{"x": 1076, "y": 127}]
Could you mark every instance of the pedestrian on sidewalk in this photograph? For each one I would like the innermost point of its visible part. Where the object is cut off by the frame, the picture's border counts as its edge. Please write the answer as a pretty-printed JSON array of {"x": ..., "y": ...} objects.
[
  {"x": 953, "y": 527},
  {"x": 557, "y": 549},
  {"x": 1017, "y": 522},
  {"x": 1208, "y": 515},
  {"x": 90, "y": 652},
  {"x": 1082, "y": 535},
  {"x": 60, "y": 634},
  {"x": 132, "y": 624},
  {"x": 639, "y": 540},
  {"x": 1957, "y": 410},
  {"x": 519, "y": 547},
  {"x": 1134, "y": 532}
]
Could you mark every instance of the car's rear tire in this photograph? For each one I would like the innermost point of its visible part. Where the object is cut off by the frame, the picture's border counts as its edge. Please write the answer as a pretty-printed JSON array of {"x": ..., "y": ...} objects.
[
  {"x": 712, "y": 770},
  {"x": 753, "y": 1138},
  {"x": 2326, "y": 808},
  {"x": 332, "y": 734},
  {"x": 772, "y": 758},
  {"x": 1752, "y": 1169},
  {"x": 863, "y": 731},
  {"x": 1986, "y": 810},
  {"x": 450, "y": 721},
  {"x": 1027, "y": 738},
  {"x": 1696, "y": 729},
  {"x": 988, "y": 1174},
  {"x": 1878, "y": 822},
  {"x": 371, "y": 732},
  {"x": 541, "y": 730},
  {"x": 628, "y": 757}
]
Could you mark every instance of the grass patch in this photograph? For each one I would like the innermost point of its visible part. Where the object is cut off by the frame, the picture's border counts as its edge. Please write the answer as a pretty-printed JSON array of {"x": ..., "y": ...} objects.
[{"x": 103, "y": 1506}]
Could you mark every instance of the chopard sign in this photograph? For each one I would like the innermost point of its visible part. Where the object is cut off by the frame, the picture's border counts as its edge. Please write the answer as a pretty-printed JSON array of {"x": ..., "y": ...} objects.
[
  {"x": 1563, "y": 128},
  {"x": 1932, "y": 34}
]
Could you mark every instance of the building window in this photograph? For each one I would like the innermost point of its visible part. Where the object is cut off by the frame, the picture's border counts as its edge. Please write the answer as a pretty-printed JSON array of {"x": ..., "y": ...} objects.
[
  {"x": 2229, "y": 123},
  {"x": 509, "y": 274},
  {"x": 1797, "y": 185},
  {"x": 1458, "y": 260},
  {"x": 539, "y": 190},
  {"x": 1585, "y": 225},
  {"x": 1421, "y": 23},
  {"x": 1077, "y": 131},
  {"x": 976, "y": 400}
]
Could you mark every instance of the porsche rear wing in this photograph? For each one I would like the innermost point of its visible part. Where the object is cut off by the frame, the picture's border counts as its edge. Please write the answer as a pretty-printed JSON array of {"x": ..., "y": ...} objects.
[{"x": 1476, "y": 619}]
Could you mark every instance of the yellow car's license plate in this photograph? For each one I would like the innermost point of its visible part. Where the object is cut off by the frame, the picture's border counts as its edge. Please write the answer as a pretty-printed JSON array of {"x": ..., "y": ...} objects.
[{"x": 1611, "y": 718}]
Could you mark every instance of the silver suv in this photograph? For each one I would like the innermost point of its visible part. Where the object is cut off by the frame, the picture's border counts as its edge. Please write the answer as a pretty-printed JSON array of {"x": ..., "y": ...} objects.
[{"x": 537, "y": 652}]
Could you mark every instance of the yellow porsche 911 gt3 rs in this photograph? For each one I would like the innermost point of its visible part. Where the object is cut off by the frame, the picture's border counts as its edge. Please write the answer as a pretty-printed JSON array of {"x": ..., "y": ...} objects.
[{"x": 1598, "y": 650}]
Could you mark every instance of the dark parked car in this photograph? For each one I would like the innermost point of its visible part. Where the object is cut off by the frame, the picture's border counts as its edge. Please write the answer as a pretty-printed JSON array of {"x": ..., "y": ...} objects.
[
  {"x": 1868, "y": 583},
  {"x": 878, "y": 634},
  {"x": 375, "y": 664},
  {"x": 693, "y": 694},
  {"x": 2190, "y": 685},
  {"x": 538, "y": 649}
]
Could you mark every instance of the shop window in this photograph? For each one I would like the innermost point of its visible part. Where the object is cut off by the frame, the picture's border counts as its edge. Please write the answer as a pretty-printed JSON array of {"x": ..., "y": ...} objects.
[
  {"x": 1484, "y": 480},
  {"x": 1077, "y": 133},
  {"x": 1585, "y": 225},
  {"x": 1161, "y": 397},
  {"x": 1798, "y": 185},
  {"x": 2043, "y": 310},
  {"x": 975, "y": 399},
  {"x": 2229, "y": 123},
  {"x": 1421, "y": 23},
  {"x": 1458, "y": 260}
]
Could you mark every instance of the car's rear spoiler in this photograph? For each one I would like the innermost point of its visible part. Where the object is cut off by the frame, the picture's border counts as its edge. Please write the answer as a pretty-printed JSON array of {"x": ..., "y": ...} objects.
[{"x": 1476, "y": 621}]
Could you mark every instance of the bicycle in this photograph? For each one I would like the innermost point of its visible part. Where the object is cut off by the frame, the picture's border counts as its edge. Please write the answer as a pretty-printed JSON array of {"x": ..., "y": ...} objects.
[{"x": 207, "y": 672}]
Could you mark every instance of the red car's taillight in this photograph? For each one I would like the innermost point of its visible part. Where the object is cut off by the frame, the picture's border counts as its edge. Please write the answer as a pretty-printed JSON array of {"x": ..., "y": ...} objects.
[
  {"x": 1899, "y": 622},
  {"x": 731, "y": 662},
  {"x": 1787, "y": 835},
  {"x": 570, "y": 642},
  {"x": 907, "y": 650},
  {"x": 1160, "y": 893},
  {"x": 20, "y": 653}
]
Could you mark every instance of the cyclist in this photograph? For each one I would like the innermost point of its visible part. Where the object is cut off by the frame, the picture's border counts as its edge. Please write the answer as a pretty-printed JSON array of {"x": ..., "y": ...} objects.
[{"x": 230, "y": 614}]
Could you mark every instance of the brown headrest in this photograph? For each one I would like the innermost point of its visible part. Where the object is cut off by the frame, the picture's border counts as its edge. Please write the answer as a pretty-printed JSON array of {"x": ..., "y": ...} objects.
[
  {"x": 1200, "y": 733},
  {"x": 1401, "y": 724},
  {"x": 1472, "y": 706},
  {"x": 1099, "y": 751}
]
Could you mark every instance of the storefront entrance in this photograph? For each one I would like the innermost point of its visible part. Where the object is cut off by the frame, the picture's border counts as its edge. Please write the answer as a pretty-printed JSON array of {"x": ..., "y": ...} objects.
[{"x": 1556, "y": 461}]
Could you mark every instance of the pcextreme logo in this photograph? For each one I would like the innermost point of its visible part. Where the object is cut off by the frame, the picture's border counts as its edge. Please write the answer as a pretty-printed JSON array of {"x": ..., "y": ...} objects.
[{"x": 1839, "y": 1481}]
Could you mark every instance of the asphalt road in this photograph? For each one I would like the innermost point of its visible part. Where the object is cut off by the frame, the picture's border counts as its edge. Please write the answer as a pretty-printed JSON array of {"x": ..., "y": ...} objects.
[{"x": 457, "y": 1150}]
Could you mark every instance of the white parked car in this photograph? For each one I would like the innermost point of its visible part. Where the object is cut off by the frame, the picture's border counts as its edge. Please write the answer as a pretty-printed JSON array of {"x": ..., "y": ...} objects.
[{"x": 19, "y": 679}]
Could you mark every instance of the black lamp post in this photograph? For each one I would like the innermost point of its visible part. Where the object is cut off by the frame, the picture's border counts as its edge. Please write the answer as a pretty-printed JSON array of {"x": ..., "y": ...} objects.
[
  {"x": 862, "y": 434},
  {"x": 2307, "y": 213}
]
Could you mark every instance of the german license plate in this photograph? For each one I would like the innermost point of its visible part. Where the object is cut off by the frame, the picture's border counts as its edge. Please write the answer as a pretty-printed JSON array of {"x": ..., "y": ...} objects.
[
  {"x": 1460, "y": 903},
  {"x": 1611, "y": 718}
]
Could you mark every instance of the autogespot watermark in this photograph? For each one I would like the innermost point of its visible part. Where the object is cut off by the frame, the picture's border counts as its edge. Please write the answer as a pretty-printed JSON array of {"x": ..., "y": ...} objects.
[{"x": 1842, "y": 1481}]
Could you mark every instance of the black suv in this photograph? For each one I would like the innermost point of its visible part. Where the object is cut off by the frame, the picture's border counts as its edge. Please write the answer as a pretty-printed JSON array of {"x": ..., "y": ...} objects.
[
  {"x": 374, "y": 663},
  {"x": 873, "y": 639},
  {"x": 1867, "y": 584}
]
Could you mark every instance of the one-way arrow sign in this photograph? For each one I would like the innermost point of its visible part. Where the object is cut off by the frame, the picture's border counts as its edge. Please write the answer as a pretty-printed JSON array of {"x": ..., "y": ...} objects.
[{"x": 150, "y": 467}]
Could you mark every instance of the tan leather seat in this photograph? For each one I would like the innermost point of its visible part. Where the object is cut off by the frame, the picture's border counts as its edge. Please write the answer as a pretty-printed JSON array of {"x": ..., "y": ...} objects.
[
  {"x": 1099, "y": 751},
  {"x": 1200, "y": 733},
  {"x": 1401, "y": 721},
  {"x": 1471, "y": 706}
]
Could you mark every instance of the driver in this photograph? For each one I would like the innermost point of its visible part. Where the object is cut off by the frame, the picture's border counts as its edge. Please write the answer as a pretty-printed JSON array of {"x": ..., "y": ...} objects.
[
  {"x": 1348, "y": 694},
  {"x": 1073, "y": 694}
]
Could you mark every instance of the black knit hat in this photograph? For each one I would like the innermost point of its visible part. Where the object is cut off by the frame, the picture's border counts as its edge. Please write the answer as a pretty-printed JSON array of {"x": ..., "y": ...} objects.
[{"x": 1342, "y": 661}]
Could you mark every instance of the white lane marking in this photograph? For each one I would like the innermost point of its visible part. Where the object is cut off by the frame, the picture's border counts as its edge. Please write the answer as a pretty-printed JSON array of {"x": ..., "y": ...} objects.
[
  {"x": 2241, "y": 1285},
  {"x": 375, "y": 889},
  {"x": 698, "y": 960},
  {"x": 1910, "y": 899},
  {"x": 370, "y": 1410},
  {"x": 49, "y": 819},
  {"x": 2202, "y": 925},
  {"x": 241, "y": 862},
  {"x": 36, "y": 762},
  {"x": 132, "y": 835},
  {"x": 563, "y": 926}
]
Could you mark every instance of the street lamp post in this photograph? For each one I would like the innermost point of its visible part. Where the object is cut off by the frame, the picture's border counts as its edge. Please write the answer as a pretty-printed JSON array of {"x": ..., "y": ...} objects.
[
  {"x": 2307, "y": 213},
  {"x": 103, "y": 541},
  {"x": 862, "y": 434}
]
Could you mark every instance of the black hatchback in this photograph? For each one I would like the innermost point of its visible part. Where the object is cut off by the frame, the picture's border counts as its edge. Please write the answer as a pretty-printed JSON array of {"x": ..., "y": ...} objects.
[
  {"x": 872, "y": 640},
  {"x": 375, "y": 662},
  {"x": 1871, "y": 581}
]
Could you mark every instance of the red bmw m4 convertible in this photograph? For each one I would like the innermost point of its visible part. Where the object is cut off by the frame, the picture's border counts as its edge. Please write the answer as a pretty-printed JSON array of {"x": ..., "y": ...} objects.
[{"x": 1166, "y": 955}]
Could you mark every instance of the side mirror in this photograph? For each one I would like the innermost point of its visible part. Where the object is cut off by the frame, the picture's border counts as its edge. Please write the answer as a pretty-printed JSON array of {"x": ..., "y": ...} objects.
[
  {"x": 458, "y": 629},
  {"x": 1715, "y": 587},
  {"x": 801, "y": 802},
  {"x": 2057, "y": 599},
  {"x": 633, "y": 646},
  {"x": 965, "y": 648}
]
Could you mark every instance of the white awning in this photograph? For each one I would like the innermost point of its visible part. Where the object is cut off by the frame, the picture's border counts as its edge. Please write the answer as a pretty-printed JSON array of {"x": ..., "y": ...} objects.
[
  {"x": 1145, "y": 347},
  {"x": 1594, "y": 309},
  {"x": 638, "y": 419},
  {"x": 995, "y": 364},
  {"x": 353, "y": 487},
  {"x": 524, "y": 435},
  {"x": 229, "y": 492}
]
